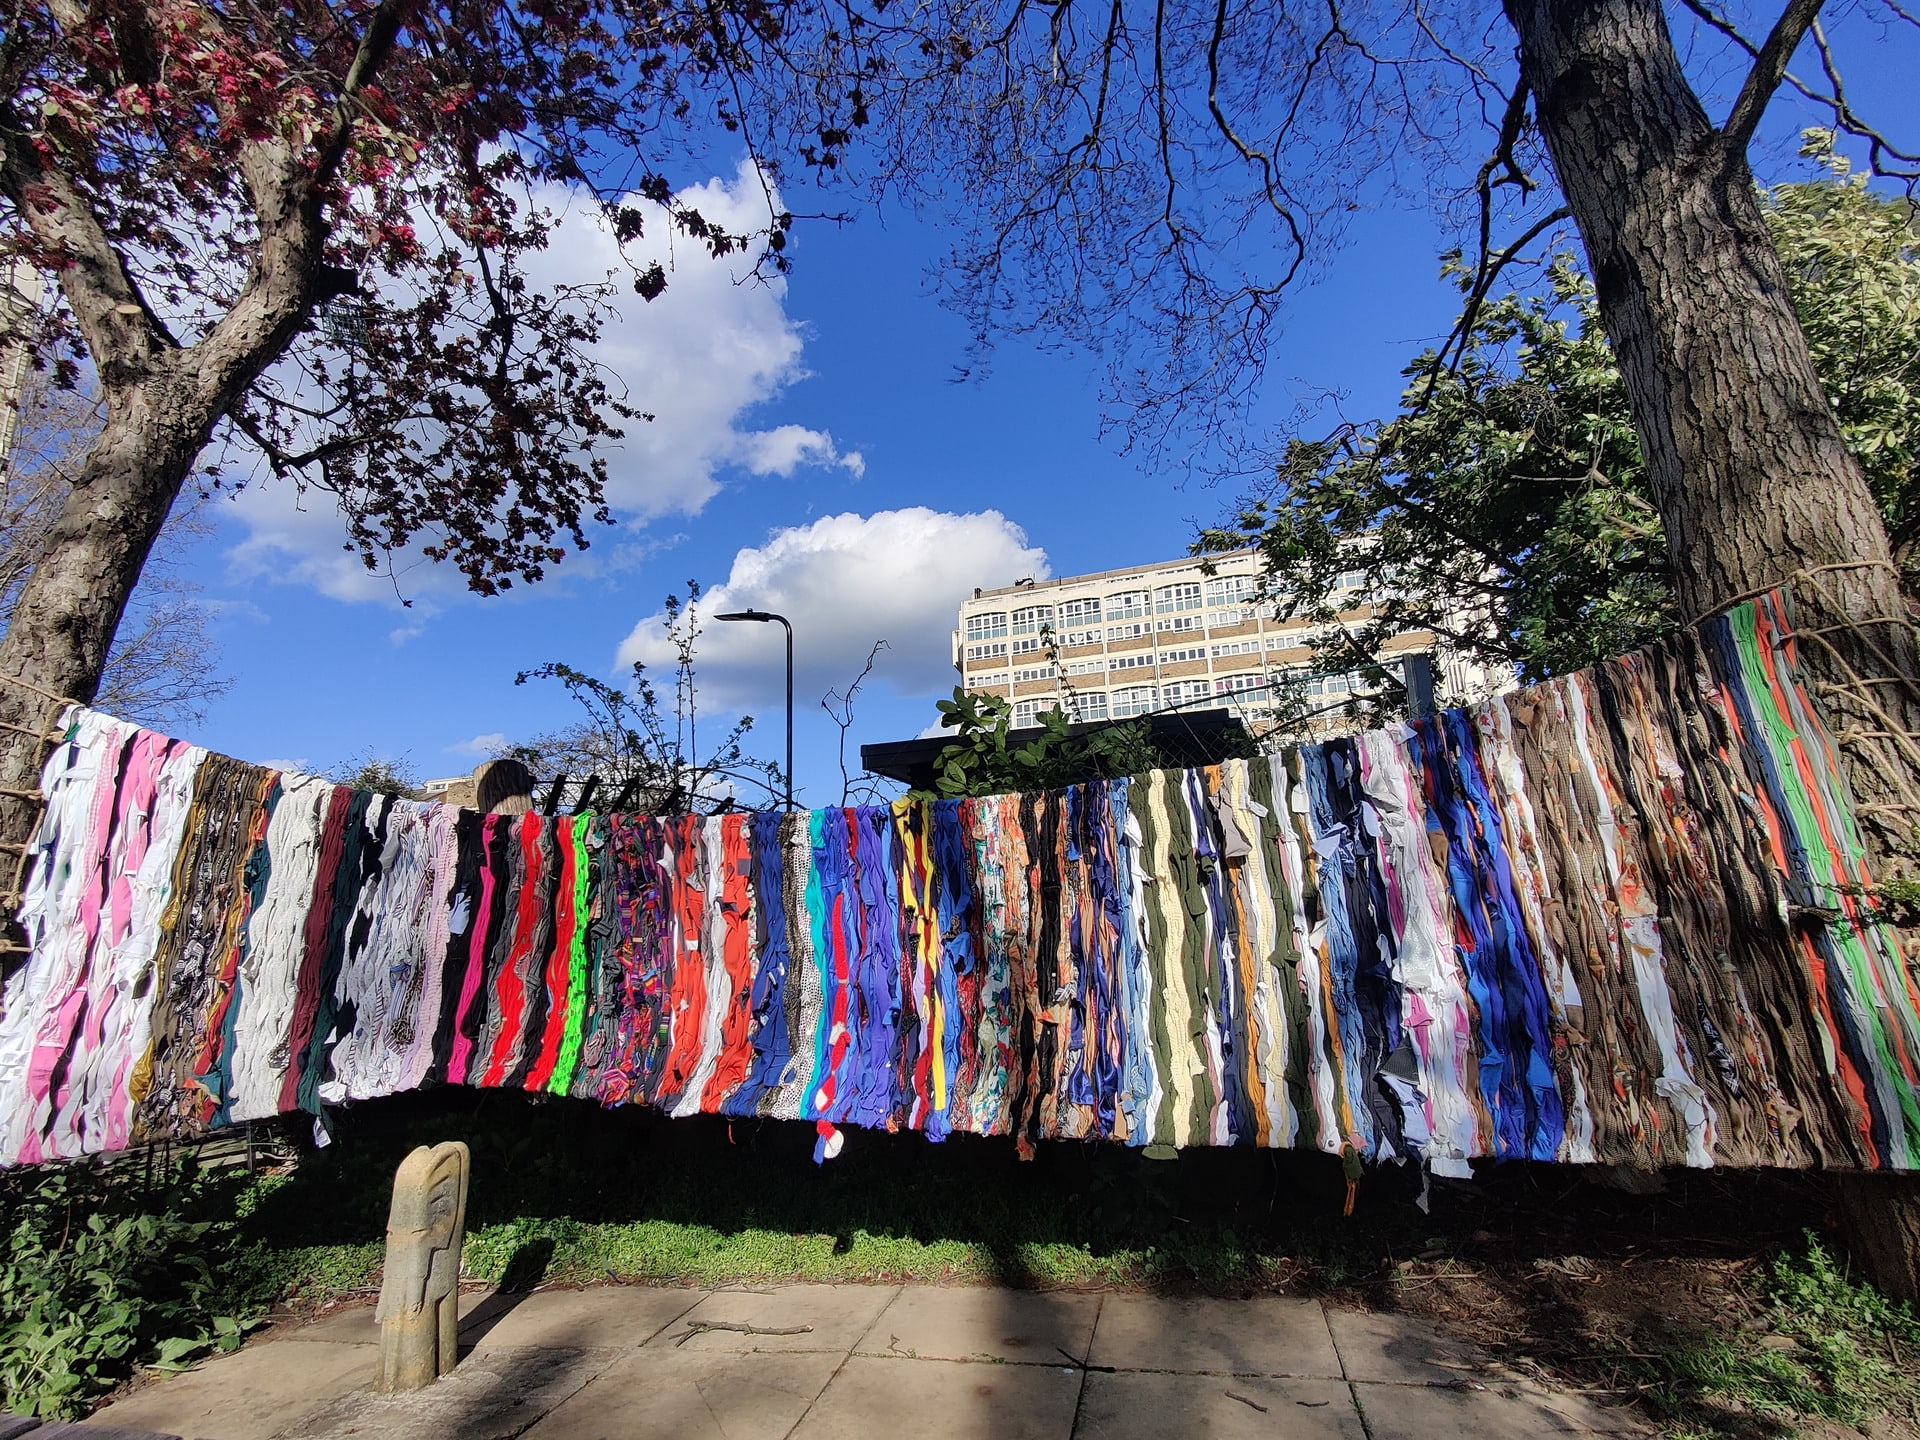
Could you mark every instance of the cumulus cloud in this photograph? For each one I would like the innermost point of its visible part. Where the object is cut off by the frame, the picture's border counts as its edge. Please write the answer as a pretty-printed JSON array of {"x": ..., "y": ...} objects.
[
  {"x": 714, "y": 346},
  {"x": 846, "y": 581},
  {"x": 481, "y": 747}
]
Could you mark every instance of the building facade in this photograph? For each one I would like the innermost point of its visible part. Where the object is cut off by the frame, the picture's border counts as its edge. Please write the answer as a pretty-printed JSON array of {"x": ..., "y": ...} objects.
[
  {"x": 1177, "y": 635},
  {"x": 21, "y": 286}
]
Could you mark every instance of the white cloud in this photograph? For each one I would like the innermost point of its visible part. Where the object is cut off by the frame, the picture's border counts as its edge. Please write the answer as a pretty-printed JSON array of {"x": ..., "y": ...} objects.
[
  {"x": 481, "y": 747},
  {"x": 785, "y": 448},
  {"x": 716, "y": 344},
  {"x": 846, "y": 581}
]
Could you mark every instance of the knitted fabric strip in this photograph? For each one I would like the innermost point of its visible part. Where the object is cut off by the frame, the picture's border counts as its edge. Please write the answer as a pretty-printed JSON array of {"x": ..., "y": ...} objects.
[
  {"x": 275, "y": 944},
  {"x": 735, "y": 898},
  {"x": 198, "y": 934},
  {"x": 1437, "y": 1019},
  {"x": 546, "y": 864},
  {"x": 1506, "y": 783},
  {"x": 101, "y": 881},
  {"x": 961, "y": 973},
  {"x": 1870, "y": 995},
  {"x": 568, "y": 921},
  {"x": 1230, "y": 1117},
  {"x": 333, "y": 1014},
  {"x": 213, "y": 1061},
  {"x": 765, "y": 1000}
]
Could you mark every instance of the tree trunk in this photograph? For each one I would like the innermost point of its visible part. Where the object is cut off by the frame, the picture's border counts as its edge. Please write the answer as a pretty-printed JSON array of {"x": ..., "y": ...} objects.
[
  {"x": 64, "y": 621},
  {"x": 1746, "y": 460}
]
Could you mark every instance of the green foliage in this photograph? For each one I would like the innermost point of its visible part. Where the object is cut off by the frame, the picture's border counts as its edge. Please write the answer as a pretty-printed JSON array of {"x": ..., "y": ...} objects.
[
  {"x": 1853, "y": 260},
  {"x": 643, "y": 747},
  {"x": 1839, "y": 1351},
  {"x": 379, "y": 773},
  {"x": 102, "y": 1273},
  {"x": 987, "y": 756},
  {"x": 1506, "y": 508}
]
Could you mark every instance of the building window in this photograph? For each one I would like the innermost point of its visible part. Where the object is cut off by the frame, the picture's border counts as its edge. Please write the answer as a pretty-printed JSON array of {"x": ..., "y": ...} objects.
[
  {"x": 1232, "y": 589},
  {"x": 1142, "y": 661},
  {"x": 1238, "y": 647},
  {"x": 981, "y": 682},
  {"x": 1135, "y": 700},
  {"x": 1182, "y": 692},
  {"x": 1350, "y": 580},
  {"x": 1035, "y": 672},
  {"x": 1070, "y": 638},
  {"x": 1126, "y": 605},
  {"x": 1027, "y": 645},
  {"x": 986, "y": 627},
  {"x": 1177, "y": 657},
  {"x": 1338, "y": 685},
  {"x": 1223, "y": 619},
  {"x": 1026, "y": 713},
  {"x": 1129, "y": 632},
  {"x": 1089, "y": 705},
  {"x": 1171, "y": 599},
  {"x": 1080, "y": 612},
  {"x": 1174, "y": 624},
  {"x": 985, "y": 652},
  {"x": 1087, "y": 667},
  {"x": 1238, "y": 684},
  {"x": 1032, "y": 619}
]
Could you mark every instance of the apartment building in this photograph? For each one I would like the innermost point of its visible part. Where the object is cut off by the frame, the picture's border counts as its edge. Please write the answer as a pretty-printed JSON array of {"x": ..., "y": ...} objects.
[
  {"x": 21, "y": 285},
  {"x": 1171, "y": 636}
]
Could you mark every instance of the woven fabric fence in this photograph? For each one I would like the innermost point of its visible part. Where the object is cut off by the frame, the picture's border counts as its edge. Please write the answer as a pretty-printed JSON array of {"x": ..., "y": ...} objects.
[{"x": 1612, "y": 918}]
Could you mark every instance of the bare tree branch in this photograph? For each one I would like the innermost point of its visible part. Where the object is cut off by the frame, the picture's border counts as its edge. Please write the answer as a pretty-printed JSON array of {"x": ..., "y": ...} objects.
[{"x": 1769, "y": 67}]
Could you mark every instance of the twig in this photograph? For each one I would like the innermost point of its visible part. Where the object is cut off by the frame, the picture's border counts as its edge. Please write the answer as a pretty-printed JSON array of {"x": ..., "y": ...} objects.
[
  {"x": 1245, "y": 1401},
  {"x": 700, "y": 1327}
]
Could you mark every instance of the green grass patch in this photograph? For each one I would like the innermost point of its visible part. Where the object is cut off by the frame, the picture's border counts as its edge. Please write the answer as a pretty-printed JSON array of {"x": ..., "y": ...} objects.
[{"x": 1836, "y": 1350}]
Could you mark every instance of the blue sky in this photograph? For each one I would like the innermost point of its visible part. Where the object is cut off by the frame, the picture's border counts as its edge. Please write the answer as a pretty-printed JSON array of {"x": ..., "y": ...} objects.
[{"x": 815, "y": 454}]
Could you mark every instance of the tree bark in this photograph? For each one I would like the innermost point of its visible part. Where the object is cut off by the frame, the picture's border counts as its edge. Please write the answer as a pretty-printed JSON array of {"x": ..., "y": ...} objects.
[
  {"x": 1747, "y": 463},
  {"x": 64, "y": 621}
]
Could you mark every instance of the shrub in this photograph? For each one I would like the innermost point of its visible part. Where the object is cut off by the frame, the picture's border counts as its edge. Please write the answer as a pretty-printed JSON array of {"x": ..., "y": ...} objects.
[{"x": 101, "y": 1272}]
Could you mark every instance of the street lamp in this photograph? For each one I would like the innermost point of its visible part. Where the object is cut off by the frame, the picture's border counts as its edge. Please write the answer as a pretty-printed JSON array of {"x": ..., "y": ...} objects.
[{"x": 764, "y": 616}]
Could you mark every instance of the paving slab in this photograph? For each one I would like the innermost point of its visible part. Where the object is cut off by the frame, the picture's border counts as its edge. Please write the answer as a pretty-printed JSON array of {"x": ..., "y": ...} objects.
[
  {"x": 350, "y": 1325},
  {"x": 1021, "y": 1327},
  {"x": 1267, "y": 1335},
  {"x": 1225, "y": 1407},
  {"x": 1440, "y": 1412},
  {"x": 676, "y": 1395},
  {"x": 248, "y": 1395},
  {"x": 940, "y": 1399},
  {"x": 491, "y": 1395},
  {"x": 1397, "y": 1350},
  {"x": 603, "y": 1317},
  {"x": 832, "y": 1318}
]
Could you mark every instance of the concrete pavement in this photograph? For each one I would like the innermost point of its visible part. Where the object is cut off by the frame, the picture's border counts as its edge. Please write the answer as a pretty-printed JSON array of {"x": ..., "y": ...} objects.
[{"x": 817, "y": 1362}]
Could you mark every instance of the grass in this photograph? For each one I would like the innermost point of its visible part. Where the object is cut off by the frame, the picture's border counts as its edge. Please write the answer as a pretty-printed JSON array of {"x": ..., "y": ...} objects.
[
  {"x": 573, "y": 1194},
  {"x": 565, "y": 1193},
  {"x": 1840, "y": 1351}
]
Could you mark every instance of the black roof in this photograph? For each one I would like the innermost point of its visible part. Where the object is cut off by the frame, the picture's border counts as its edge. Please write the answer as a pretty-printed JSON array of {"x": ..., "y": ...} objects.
[{"x": 1184, "y": 738}]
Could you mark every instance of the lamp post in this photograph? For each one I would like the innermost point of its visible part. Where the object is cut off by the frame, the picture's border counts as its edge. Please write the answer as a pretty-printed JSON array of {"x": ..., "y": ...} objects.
[{"x": 763, "y": 616}]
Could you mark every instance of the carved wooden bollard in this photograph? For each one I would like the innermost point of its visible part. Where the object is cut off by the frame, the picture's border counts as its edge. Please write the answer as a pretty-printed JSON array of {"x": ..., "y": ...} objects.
[{"x": 419, "y": 1310}]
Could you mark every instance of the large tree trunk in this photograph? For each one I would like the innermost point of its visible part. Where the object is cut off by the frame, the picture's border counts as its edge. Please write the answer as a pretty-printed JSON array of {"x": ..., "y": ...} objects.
[
  {"x": 63, "y": 623},
  {"x": 1747, "y": 463}
]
